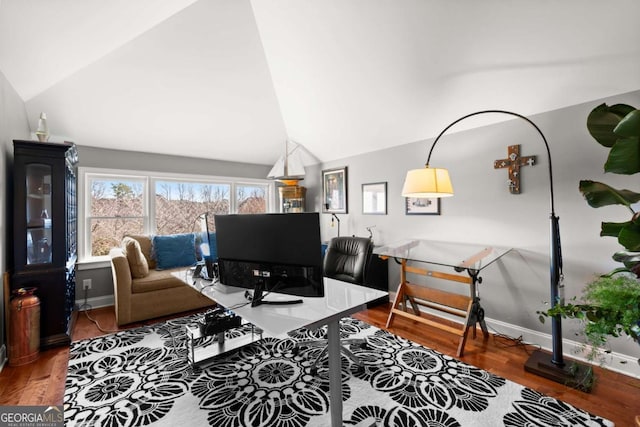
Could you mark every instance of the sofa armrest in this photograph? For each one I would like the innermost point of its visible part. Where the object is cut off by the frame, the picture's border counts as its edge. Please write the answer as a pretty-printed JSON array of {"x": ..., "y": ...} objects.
[{"x": 121, "y": 284}]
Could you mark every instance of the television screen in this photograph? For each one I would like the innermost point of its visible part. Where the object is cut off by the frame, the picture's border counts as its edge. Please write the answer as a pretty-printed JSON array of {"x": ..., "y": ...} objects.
[{"x": 282, "y": 252}]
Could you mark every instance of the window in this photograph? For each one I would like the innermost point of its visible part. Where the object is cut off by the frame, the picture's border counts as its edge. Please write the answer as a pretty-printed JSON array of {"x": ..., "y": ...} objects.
[
  {"x": 116, "y": 208},
  {"x": 251, "y": 198},
  {"x": 179, "y": 203},
  {"x": 116, "y": 203}
]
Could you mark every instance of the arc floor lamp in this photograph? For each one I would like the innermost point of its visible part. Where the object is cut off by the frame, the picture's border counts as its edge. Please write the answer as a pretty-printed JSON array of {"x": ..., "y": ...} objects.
[{"x": 435, "y": 182}]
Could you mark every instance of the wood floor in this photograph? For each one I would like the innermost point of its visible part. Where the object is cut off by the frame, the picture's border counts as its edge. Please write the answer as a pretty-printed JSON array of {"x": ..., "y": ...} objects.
[{"x": 615, "y": 396}]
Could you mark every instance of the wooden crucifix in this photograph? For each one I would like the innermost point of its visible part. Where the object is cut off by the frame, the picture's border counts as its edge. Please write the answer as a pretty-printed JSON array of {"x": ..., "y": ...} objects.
[{"x": 513, "y": 163}]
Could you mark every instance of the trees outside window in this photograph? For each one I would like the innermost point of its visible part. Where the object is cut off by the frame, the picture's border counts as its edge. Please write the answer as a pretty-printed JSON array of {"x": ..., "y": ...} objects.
[
  {"x": 178, "y": 204},
  {"x": 251, "y": 198},
  {"x": 116, "y": 208},
  {"x": 120, "y": 204}
]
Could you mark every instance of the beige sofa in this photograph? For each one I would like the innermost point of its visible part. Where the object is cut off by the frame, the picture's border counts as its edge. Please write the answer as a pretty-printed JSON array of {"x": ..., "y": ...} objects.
[{"x": 140, "y": 296}]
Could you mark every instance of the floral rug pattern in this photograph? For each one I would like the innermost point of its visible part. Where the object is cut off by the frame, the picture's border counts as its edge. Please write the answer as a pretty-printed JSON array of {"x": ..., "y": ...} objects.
[{"x": 142, "y": 376}]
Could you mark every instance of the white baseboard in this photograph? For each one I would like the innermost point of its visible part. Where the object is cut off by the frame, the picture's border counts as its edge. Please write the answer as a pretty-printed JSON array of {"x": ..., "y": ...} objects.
[
  {"x": 95, "y": 302},
  {"x": 617, "y": 362}
]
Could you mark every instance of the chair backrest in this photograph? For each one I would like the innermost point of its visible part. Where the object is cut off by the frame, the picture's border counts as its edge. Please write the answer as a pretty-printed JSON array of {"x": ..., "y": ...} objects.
[{"x": 347, "y": 258}]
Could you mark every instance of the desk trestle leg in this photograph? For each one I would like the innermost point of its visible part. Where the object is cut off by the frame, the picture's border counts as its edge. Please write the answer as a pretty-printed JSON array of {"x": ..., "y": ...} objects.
[{"x": 465, "y": 306}]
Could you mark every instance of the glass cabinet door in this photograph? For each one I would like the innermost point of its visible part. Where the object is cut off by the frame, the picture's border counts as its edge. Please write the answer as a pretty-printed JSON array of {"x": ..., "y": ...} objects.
[{"x": 38, "y": 211}]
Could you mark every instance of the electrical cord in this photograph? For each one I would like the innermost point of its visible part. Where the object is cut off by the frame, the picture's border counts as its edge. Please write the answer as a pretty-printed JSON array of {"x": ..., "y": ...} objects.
[
  {"x": 87, "y": 308},
  {"x": 249, "y": 297},
  {"x": 507, "y": 341}
]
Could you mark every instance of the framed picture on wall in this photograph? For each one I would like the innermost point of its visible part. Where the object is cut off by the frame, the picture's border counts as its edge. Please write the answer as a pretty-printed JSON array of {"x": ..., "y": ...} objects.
[
  {"x": 334, "y": 190},
  {"x": 374, "y": 198},
  {"x": 421, "y": 206}
]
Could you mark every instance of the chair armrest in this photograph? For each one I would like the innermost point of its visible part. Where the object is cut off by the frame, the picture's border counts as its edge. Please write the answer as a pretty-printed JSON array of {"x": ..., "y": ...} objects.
[{"x": 121, "y": 283}]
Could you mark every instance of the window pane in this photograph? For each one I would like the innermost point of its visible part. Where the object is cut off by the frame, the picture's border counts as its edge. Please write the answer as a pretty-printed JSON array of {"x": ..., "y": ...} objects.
[
  {"x": 251, "y": 198},
  {"x": 178, "y": 204},
  {"x": 135, "y": 201},
  {"x": 108, "y": 233},
  {"x": 114, "y": 198}
]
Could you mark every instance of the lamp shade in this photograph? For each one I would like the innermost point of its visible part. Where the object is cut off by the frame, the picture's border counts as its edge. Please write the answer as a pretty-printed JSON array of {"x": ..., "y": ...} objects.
[{"x": 427, "y": 182}]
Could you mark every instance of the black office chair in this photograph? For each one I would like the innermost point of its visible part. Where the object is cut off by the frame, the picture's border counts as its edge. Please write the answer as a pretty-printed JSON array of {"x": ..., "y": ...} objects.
[{"x": 346, "y": 259}]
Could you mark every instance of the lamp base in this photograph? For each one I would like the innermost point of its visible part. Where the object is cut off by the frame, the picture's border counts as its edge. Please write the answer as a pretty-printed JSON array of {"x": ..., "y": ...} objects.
[{"x": 572, "y": 374}]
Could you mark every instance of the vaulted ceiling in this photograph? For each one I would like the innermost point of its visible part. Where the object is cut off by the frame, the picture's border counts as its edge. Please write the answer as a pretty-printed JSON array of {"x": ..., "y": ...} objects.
[{"x": 232, "y": 79}]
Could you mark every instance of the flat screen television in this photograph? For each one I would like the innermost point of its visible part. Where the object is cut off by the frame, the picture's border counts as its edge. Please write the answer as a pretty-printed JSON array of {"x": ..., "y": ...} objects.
[{"x": 271, "y": 253}]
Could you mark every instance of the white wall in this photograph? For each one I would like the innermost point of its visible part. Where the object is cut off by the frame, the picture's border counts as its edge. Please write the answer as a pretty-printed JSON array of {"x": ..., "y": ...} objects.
[
  {"x": 483, "y": 210},
  {"x": 13, "y": 125}
]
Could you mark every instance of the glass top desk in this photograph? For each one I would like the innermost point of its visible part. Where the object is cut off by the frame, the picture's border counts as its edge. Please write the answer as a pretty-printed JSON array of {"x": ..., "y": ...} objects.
[
  {"x": 340, "y": 299},
  {"x": 455, "y": 258}
]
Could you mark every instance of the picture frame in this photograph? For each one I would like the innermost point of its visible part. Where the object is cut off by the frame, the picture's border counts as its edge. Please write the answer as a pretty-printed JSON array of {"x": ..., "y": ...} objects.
[
  {"x": 374, "y": 198},
  {"x": 334, "y": 190},
  {"x": 422, "y": 206}
]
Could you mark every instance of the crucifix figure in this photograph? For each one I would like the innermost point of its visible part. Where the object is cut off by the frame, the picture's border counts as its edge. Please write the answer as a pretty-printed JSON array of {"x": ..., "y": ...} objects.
[{"x": 513, "y": 163}]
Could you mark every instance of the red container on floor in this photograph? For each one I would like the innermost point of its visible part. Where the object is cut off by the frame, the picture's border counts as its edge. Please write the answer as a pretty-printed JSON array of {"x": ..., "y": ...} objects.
[{"x": 24, "y": 327}]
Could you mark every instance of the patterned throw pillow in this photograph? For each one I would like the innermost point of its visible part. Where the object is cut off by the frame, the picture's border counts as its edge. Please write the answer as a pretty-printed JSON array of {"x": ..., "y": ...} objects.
[
  {"x": 174, "y": 250},
  {"x": 137, "y": 261}
]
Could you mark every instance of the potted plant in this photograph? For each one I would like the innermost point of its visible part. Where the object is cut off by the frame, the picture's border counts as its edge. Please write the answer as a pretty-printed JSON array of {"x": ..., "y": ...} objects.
[
  {"x": 610, "y": 305},
  {"x": 617, "y": 128}
]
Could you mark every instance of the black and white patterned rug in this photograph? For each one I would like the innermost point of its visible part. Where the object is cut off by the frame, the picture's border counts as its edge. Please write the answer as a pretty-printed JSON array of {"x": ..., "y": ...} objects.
[{"x": 142, "y": 376}]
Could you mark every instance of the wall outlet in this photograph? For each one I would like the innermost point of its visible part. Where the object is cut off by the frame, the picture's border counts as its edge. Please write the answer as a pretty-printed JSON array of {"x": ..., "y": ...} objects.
[{"x": 86, "y": 284}]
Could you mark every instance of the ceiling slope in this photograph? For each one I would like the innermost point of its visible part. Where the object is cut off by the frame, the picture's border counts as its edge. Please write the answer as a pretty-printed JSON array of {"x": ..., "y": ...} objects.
[
  {"x": 44, "y": 41},
  {"x": 232, "y": 79},
  {"x": 196, "y": 85},
  {"x": 361, "y": 75}
]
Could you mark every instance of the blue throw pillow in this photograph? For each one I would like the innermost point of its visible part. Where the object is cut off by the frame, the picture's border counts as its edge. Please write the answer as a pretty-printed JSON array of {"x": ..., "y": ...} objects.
[
  {"x": 174, "y": 250},
  {"x": 213, "y": 248},
  {"x": 209, "y": 252}
]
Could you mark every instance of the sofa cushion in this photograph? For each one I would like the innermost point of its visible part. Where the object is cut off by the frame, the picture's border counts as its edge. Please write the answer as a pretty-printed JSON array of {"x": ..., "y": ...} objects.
[
  {"x": 174, "y": 250},
  {"x": 157, "y": 280},
  {"x": 137, "y": 262},
  {"x": 145, "y": 245}
]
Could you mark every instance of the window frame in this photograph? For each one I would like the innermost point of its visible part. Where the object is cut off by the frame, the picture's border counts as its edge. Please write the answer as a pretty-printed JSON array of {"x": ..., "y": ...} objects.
[{"x": 149, "y": 179}]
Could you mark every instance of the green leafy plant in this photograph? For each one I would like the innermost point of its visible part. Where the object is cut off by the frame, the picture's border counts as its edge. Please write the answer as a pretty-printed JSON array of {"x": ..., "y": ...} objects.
[
  {"x": 609, "y": 306},
  {"x": 617, "y": 127}
]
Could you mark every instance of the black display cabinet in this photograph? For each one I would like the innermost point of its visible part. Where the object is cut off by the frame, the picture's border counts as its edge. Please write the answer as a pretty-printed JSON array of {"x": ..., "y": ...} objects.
[{"x": 45, "y": 232}]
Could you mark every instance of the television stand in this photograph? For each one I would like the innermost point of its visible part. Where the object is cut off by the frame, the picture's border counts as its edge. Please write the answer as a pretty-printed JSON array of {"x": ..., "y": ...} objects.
[
  {"x": 201, "y": 271},
  {"x": 259, "y": 288}
]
